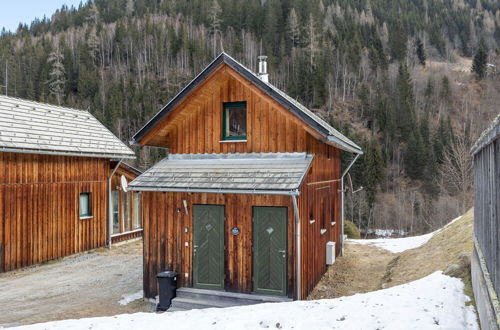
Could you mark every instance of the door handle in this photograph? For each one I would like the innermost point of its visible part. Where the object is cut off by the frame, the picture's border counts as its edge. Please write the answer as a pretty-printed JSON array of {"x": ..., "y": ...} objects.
[{"x": 283, "y": 253}]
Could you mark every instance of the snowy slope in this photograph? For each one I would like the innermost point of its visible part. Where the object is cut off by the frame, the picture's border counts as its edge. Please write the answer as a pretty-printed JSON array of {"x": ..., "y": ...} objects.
[
  {"x": 434, "y": 302},
  {"x": 396, "y": 245}
]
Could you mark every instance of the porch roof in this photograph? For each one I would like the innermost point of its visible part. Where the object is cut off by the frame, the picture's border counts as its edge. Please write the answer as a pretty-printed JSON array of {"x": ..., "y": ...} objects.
[{"x": 245, "y": 173}]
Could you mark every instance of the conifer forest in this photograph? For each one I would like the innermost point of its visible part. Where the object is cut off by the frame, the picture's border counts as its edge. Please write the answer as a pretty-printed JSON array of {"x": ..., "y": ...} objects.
[{"x": 414, "y": 82}]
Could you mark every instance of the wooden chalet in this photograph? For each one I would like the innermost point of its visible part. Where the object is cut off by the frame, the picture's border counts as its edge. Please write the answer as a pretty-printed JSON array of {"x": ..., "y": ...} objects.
[
  {"x": 56, "y": 165},
  {"x": 250, "y": 193}
]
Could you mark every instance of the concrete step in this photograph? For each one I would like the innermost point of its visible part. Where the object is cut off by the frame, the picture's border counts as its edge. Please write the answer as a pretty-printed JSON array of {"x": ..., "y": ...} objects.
[
  {"x": 186, "y": 304},
  {"x": 191, "y": 298}
]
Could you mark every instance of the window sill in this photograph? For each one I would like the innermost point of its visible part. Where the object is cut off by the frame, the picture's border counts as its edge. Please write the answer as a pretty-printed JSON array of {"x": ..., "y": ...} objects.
[
  {"x": 231, "y": 141},
  {"x": 86, "y": 217},
  {"x": 322, "y": 231}
]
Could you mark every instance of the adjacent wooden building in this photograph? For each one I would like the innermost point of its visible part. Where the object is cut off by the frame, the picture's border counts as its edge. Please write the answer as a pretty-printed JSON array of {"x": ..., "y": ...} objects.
[
  {"x": 55, "y": 168},
  {"x": 249, "y": 198},
  {"x": 486, "y": 256}
]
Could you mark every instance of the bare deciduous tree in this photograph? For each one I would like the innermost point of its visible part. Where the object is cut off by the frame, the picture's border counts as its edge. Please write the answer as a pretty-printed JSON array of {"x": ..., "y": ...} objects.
[
  {"x": 57, "y": 75},
  {"x": 456, "y": 170}
]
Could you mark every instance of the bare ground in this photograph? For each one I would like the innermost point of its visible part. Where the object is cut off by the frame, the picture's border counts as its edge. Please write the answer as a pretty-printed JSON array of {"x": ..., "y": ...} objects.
[
  {"x": 84, "y": 285},
  {"x": 365, "y": 268},
  {"x": 361, "y": 270}
]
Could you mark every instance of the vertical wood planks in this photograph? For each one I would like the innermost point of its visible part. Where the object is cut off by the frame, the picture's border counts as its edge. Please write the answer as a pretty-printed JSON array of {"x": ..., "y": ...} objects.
[{"x": 39, "y": 201}]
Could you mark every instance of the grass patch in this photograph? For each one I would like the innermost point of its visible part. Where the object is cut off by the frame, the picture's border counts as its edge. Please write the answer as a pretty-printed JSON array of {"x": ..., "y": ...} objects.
[{"x": 442, "y": 250}]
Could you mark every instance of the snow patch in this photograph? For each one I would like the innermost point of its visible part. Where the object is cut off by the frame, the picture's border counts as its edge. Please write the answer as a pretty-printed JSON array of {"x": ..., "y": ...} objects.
[
  {"x": 128, "y": 298},
  {"x": 397, "y": 245},
  {"x": 433, "y": 302}
]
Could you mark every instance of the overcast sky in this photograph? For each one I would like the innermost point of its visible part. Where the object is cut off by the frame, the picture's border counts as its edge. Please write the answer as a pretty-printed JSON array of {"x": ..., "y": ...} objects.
[{"x": 13, "y": 12}]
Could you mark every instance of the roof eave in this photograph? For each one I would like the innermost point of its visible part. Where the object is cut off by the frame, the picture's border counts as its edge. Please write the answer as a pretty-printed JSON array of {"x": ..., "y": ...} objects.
[
  {"x": 66, "y": 153},
  {"x": 332, "y": 140},
  {"x": 292, "y": 192}
]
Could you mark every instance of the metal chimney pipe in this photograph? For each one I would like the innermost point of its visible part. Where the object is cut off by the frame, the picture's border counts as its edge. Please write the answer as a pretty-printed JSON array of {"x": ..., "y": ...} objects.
[{"x": 263, "y": 75}]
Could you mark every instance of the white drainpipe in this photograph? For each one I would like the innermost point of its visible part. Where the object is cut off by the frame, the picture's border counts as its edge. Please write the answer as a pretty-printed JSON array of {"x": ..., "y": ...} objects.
[
  {"x": 342, "y": 202},
  {"x": 110, "y": 203},
  {"x": 298, "y": 249}
]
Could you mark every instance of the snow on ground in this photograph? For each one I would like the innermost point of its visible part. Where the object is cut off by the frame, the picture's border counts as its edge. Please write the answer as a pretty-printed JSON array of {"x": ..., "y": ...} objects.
[
  {"x": 128, "y": 298},
  {"x": 433, "y": 302},
  {"x": 396, "y": 245}
]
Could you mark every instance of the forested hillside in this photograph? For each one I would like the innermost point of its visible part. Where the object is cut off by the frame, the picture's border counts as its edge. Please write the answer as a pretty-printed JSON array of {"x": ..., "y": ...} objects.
[{"x": 413, "y": 81}]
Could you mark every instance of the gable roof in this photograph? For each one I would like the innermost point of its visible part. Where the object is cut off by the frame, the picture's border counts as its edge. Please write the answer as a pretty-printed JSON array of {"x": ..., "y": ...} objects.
[
  {"x": 331, "y": 135},
  {"x": 244, "y": 173},
  {"x": 39, "y": 128}
]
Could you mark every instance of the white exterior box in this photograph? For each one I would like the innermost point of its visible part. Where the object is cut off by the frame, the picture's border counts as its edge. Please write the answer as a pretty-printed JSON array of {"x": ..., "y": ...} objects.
[{"x": 330, "y": 253}]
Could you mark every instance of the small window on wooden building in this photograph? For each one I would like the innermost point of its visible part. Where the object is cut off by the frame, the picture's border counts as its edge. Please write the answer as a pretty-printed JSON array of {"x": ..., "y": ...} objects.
[
  {"x": 234, "y": 121},
  {"x": 85, "y": 205}
]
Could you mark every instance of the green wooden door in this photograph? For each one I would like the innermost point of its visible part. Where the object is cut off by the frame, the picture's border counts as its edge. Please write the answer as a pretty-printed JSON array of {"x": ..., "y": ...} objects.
[
  {"x": 270, "y": 250},
  {"x": 208, "y": 246}
]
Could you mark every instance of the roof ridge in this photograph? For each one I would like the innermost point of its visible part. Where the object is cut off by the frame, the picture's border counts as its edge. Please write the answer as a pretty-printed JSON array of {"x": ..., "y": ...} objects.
[{"x": 44, "y": 104}]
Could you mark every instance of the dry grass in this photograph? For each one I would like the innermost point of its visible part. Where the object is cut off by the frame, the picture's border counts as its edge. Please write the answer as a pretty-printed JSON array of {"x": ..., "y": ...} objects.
[
  {"x": 443, "y": 249},
  {"x": 366, "y": 268},
  {"x": 361, "y": 270}
]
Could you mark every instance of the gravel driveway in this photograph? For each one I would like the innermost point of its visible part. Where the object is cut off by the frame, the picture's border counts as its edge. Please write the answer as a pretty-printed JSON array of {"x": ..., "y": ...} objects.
[{"x": 84, "y": 285}]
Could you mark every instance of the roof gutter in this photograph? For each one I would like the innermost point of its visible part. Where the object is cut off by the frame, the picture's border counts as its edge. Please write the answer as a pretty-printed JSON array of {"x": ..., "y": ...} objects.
[
  {"x": 294, "y": 192},
  {"x": 343, "y": 145},
  {"x": 342, "y": 199}
]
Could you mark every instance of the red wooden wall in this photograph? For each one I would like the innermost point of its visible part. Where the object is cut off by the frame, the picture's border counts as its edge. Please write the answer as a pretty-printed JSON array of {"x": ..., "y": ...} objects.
[{"x": 39, "y": 207}]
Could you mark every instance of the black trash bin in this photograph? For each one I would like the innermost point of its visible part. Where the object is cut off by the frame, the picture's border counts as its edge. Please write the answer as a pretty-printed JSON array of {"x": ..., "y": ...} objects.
[{"x": 167, "y": 285}]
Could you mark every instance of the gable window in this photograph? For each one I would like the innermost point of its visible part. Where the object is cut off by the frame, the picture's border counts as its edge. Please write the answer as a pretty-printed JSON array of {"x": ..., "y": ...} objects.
[
  {"x": 234, "y": 121},
  {"x": 85, "y": 205}
]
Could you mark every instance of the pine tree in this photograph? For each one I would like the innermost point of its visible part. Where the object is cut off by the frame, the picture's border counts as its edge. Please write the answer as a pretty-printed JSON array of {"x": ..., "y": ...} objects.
[
  {"x": 480, "y": 61},
  {"x": 397, "y": 41},
  {"x": 420, "y": 52},
  {"x": 405, "y": 115}
]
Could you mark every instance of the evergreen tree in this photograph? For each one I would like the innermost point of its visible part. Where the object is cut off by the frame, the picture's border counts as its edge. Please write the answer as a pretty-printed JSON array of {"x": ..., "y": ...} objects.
[
  {"x": 405, "y": 109},
  {"x": 397, "y": 41},
  {"x": 420, "y": 52},
  {"x": 480, "y": 61}
]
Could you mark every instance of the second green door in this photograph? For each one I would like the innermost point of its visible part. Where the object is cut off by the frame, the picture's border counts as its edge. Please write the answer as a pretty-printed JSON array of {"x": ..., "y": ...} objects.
[
  {"x": 270, "y": 250},
  {"x": 208, "y": 247}
]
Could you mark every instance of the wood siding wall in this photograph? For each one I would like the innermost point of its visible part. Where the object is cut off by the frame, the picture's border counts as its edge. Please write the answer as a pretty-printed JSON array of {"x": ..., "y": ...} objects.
[
  {"x": 195, "y": 127},
  {"x": 168, "y": 236},
  {"x": 39, "y": 207},
  {"x": 487, "y": 207}
]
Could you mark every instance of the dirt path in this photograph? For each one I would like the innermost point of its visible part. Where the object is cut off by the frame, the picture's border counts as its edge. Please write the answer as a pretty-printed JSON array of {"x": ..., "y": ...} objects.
[
  {"x": 84, "y": 285},
  {"x": 361, "y": 270}
]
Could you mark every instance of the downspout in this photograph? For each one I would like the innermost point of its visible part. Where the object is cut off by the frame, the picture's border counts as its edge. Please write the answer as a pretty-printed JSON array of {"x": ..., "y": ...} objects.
[
  {"x": 298, "y": 250},
  {"x": 110, "y": 203},
  {"x": 342, "y": 199}
]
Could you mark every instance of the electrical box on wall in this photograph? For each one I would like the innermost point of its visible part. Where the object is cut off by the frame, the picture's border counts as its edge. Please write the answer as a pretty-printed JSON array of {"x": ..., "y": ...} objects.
[{"x": 330, "y": 253}]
